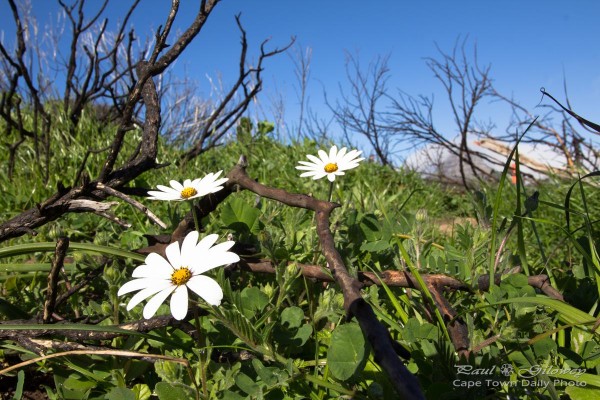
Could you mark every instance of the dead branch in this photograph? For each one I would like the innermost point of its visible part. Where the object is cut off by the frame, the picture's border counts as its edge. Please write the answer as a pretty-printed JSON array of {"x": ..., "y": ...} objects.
[
  {"x": 62, "y": 246},
  {"x": 227, "y": 112},
  {"x": 361, "y": 111},
  {"x": 143, "y": 159},
  {"x": 437, "y": 284},
  {"x": 55, "y": 330},
  {"x": 385, "y": 349},
  {"x": 133, "y": 202}
]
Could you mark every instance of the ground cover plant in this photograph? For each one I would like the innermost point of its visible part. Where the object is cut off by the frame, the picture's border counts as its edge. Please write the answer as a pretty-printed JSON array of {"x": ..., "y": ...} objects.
[{"x": 132, "y": 268}]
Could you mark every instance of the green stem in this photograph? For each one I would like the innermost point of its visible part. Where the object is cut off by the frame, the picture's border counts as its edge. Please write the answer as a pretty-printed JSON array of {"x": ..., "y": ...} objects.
[
  {"x": 202, "y": 352},
  {"x": 330, "y": 191}
]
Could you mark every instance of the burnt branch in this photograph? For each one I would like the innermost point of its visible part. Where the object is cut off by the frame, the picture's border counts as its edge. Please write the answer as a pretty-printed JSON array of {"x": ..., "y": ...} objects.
[
  {"x": 55, "y": 330},
  {"x": 385, "y": 349},
  {"x": 224, "y": 116},
  {"x": 86, "y": 196},
  {"x": 438, "y": 284},
  {"x": 62, "y": 246},
  {"x": 146, "y": 71},
  {"x": 362, "y": 110}
]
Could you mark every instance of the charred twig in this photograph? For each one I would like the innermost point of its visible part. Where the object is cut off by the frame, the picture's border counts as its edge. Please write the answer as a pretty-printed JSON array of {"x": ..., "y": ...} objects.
[
  {"x": 89, "y": 276},
  {"x": 133, "y": 202},
  {"x": 225, "y": 115},
  {"x": 145, "y": 325},
  {"x": 62, "y": 245}
]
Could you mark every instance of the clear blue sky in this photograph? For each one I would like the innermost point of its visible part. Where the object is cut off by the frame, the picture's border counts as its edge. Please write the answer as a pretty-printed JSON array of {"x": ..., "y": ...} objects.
[{"x": 529, "y": 44}]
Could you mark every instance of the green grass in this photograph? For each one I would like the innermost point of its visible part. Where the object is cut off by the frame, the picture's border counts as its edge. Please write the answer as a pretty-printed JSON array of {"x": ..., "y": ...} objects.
[{"x": 288, "y": 323}]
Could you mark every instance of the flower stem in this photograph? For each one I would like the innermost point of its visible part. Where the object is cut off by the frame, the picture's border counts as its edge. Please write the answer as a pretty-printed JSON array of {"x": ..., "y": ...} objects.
[
  {"x": 195, "y": 215},
  {"x": 202, "y": 353},
  {"x": 330, "y": 191}
]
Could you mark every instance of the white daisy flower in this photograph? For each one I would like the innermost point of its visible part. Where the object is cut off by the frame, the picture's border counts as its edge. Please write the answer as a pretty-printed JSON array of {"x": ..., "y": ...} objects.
[
  {"x": 183, "y": 270},
  {"x": 330, "y": 165},
  {"x": 190, "y": 189}
]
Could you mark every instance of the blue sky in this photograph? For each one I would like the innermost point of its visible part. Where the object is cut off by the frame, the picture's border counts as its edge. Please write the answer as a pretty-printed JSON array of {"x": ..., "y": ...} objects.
[{"x": 529, "y": 44}]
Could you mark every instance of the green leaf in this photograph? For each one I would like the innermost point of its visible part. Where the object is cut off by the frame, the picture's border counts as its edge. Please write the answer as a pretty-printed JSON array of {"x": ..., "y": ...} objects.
[
  {"x": 51, "y": 246},
  {"x": 583, "y": 393},
  {"x": 20, "y": 383},
  {"x": 370, "y": 227},
  {"x": 543, "y": 348},
  {"x": 584, "y": 379},
  {"x": 347, "y": 352},
  {"x": 377, "y": 246},
  {"x": 11, "y": 311},
  {"x": 241, "y": 217},
  {"x": 168, "y": 371},
  {"x": 516, "y": 280},
  {"x": 229, "y": 395},
  {"x": 266, "y": 374},
  {"x": 566, "y": 312},
  {"x": 253, "y": 300},
  {"x": 293, "y": 316},
  {"x": 74, "y": 383},
  {"x": 174, "y": 391},
  {"x": 142, "y": 391},
  {"x": 303, "y": 334},
  {"x": 246, "y": 383},
  {"x": 119, "y": 393}
]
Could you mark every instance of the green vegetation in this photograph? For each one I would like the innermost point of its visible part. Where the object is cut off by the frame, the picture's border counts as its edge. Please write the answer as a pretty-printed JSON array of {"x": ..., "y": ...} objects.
[{"x": 282, "y": 335}]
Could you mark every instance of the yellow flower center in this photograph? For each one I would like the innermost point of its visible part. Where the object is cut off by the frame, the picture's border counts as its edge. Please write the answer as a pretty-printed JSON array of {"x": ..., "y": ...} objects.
[
  {"x": 181, "y": 276},
  {"x": 188, "y": 192},
  {"x": 331, "y": 167}
]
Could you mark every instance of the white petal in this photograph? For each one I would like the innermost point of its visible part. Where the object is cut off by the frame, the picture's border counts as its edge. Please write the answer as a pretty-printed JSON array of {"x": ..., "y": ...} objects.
[
  {"x": 214, "y": 260},
  {"x": 176, "y": 185},
  {"x": 157, "y": 261},
  {"x": 187, "y": 183},
  {"x": 167, "y": 189},
  {"x": 316, "y": 160},
  {"x": 352, "y": 154},
  {"x": 330, "y": 177},
  {"x": 156, "y": 301},
  {"x": 206, "y": 242},
  {"x": 221, "y": 247},
  {"x": 309, "y": 173},
  {"x": 179, "y": 303},
  {"x": 174, "y": 255},
  {"x": 333, "y": 153},
  {"x": 324, "y": 156},
  {"x": 145, "y": 293},
  {"x": 307, "y": 167},
  {"x": 340, "y": 154},
  {"x": 188, "y": 248},
  {"x": 144, "y": 271},
  {"x": 207, "y": 288},
  {"x": 220, "y": 182},
  {"x": 136, "y": 284},
  {"x": 353, "y": 161},
  {"x": 154, "y": 195}
]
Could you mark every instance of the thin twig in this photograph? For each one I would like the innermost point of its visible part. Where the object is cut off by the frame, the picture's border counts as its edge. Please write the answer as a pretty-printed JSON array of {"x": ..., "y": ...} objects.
[
  {"x": 62, "y": 245},
  {"x": 133, "y": 202}
]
